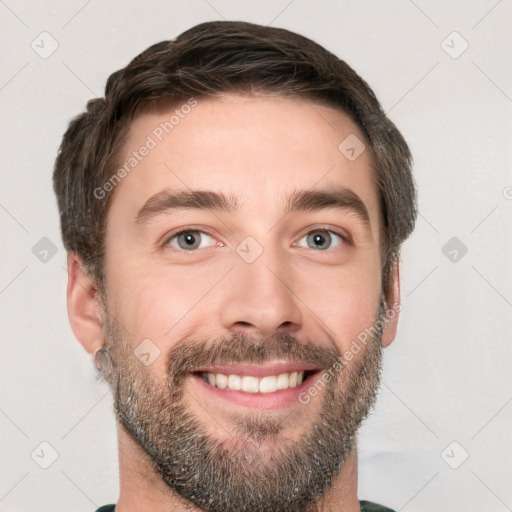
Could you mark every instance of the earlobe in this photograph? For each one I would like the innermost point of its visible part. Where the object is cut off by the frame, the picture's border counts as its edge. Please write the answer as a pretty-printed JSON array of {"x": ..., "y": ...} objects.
[
  {"x": 393, "y": 307},
  {"x": 84, "y": 310}
]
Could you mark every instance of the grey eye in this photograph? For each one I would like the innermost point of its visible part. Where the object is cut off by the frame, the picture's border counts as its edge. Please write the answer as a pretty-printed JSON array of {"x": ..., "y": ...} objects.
[
  {"x": 188, "y": 240},
  {"x": 322, "y": 239}
]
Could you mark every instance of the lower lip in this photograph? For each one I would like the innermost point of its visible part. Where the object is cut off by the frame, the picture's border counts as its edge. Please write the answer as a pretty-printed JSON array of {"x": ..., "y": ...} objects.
[{"x": 275, "y": 400}]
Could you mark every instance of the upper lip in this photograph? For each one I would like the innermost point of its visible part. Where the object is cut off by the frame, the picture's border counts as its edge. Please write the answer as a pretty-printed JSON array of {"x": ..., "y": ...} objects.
[{"x": 258, "y": 370}]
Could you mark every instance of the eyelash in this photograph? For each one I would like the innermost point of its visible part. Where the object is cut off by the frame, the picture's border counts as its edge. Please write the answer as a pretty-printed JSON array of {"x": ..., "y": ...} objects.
[{"x": 345, "y": 239}]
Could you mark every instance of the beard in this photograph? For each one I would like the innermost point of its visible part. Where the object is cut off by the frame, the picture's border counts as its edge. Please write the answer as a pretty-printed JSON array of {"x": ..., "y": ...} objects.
[{"x": 256, "y": 467}]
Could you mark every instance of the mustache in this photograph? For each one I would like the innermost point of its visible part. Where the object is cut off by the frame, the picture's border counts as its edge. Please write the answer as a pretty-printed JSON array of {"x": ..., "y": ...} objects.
[{"x": 189, "y": 356}]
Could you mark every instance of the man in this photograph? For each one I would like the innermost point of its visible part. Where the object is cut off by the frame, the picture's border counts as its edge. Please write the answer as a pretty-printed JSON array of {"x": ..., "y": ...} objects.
[{"x": 233, "y": 211}]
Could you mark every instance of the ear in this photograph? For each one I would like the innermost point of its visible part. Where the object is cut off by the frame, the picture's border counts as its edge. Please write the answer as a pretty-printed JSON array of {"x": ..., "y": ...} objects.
[
  {"x": 393, "y": 307},
  {"x": 84, "y": 310}
]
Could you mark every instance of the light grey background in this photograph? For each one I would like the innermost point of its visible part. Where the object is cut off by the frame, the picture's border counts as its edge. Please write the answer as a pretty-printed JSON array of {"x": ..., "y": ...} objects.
[{"x": 447, "y": 376}]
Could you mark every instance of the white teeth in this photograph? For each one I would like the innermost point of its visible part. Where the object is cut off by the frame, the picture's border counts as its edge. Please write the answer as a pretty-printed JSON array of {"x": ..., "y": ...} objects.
[
  {"x": 234, "y": 382},
  {"x": 283, "y": 382},
  {"x": 251, "y": 384},
  {"x": 268, "y": 384},
  {"x": 222, "y": 381}
]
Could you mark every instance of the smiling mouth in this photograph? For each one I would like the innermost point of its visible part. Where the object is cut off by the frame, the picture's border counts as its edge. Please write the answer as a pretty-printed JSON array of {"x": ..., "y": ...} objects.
[
  {"x": 273, "y": 385},
  {"x": 254, "y": 384}
]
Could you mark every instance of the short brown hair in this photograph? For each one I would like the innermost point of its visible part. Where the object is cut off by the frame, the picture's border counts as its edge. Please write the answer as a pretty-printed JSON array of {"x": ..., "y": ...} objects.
[{"x": 204, "y": 61}]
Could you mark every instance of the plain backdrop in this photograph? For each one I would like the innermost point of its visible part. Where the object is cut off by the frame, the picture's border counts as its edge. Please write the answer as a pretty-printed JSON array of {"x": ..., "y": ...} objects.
[{"x": 439, "y": 438}]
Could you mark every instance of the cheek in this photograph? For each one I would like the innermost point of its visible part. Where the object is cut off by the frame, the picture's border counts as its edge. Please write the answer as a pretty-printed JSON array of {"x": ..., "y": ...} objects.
[
  {"x": 346, "y": 301},
  {"x": 151, "y": 308},
  {"x": 156, "y": 301}
]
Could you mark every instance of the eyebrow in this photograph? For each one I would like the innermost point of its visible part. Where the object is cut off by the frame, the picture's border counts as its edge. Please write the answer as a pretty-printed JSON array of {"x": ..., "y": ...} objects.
[{"x": 298, "y": 201}]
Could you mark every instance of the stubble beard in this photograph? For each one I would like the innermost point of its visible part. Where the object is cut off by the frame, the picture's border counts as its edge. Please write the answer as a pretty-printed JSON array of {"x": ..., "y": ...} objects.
[{"x": 255, "y": 467}]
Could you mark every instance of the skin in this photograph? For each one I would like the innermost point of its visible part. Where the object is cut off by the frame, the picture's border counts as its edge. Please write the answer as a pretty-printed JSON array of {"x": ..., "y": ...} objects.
[{"x": 257, "y": 149}]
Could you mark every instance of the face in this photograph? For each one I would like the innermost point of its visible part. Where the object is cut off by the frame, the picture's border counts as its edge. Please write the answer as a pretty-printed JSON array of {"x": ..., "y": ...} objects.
[{"x": 242, "y": 268}]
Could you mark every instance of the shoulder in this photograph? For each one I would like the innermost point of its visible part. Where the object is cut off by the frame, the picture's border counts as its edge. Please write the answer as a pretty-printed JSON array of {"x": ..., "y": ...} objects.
[
  {"x": 368, "y": 506},
  {"x": 107, "y": 508}
]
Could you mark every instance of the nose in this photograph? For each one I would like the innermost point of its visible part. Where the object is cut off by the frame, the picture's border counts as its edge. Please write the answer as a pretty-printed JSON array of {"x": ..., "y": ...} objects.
[{"x": 259, "y": 299}]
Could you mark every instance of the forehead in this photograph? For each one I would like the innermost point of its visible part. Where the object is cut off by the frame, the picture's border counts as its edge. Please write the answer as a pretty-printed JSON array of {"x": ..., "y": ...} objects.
[{"x": 257, "y": 149}]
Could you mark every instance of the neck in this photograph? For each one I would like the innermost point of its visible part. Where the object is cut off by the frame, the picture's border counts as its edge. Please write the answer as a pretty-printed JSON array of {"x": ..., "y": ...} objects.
[{"x": 142, "y": 489}]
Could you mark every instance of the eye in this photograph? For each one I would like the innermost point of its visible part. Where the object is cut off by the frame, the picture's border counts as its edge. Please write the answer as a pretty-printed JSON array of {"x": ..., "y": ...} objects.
[
  {"x": 188, "y": 239},
  {"x": 323, "y": 239}
]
